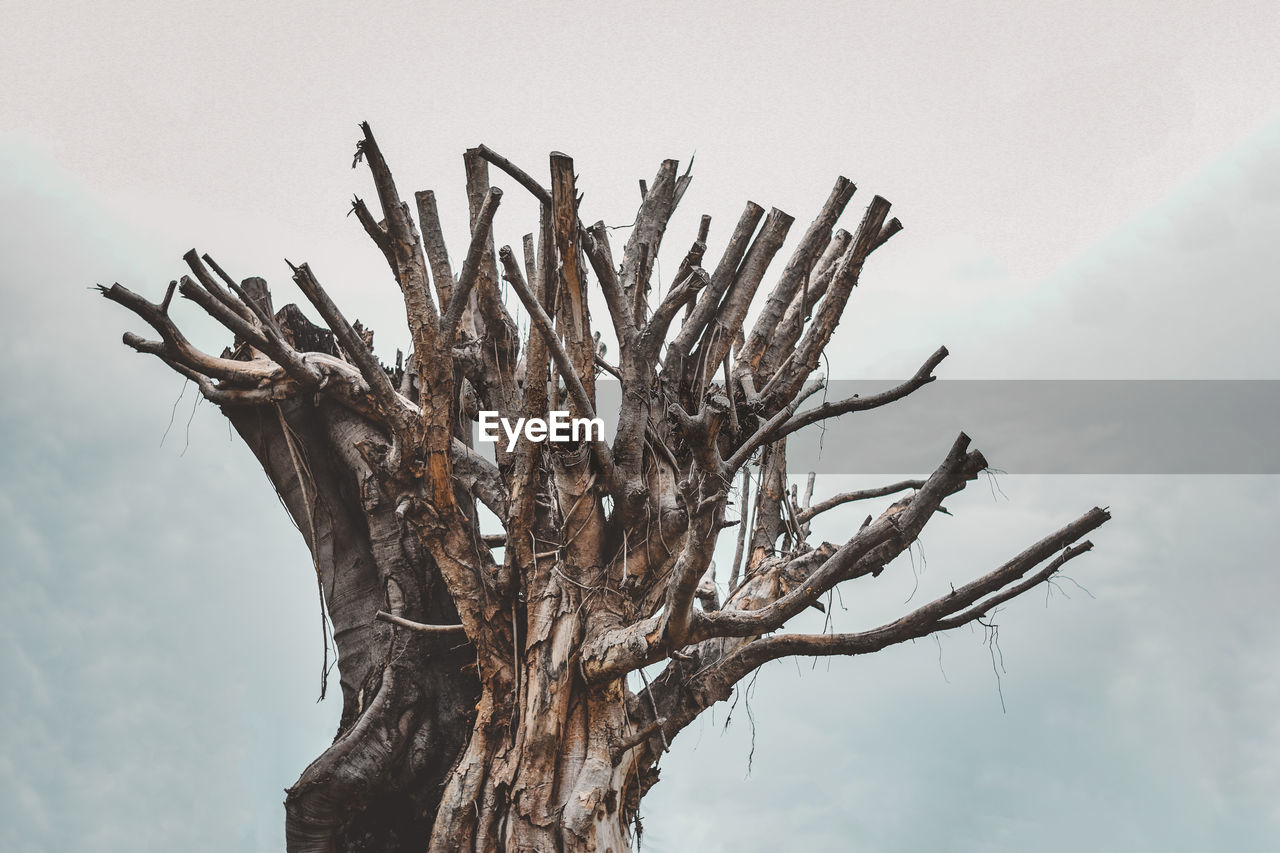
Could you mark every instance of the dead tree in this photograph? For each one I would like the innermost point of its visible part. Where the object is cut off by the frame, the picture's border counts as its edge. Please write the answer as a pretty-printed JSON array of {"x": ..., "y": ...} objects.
[{"x": 485, "y": 682}]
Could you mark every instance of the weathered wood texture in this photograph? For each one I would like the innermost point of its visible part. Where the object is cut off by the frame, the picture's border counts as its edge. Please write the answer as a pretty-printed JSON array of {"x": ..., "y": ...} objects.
[{"x": 486, "y": 675}]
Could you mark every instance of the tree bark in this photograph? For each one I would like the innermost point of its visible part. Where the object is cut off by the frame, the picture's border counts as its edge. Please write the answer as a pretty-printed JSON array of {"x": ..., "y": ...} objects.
[{"x": 486, "y": 700}]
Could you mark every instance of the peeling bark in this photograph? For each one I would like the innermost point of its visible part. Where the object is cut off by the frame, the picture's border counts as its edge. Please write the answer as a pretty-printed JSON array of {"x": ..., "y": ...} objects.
[{"x": 486, "y": 704}]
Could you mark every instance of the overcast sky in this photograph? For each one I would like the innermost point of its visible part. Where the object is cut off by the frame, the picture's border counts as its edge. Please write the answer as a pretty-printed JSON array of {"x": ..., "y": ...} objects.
[{"x": 1089, "y": 190}]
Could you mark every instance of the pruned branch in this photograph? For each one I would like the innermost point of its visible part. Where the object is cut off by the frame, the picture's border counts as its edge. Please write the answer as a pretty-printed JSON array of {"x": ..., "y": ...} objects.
[
  {"x": 656, "y": 207},
  {"x": 392, "y": 404},
  {"x": 471, "y": 266},
  {"x": 546, "y": 330},
  {"x": 599, "y": 253},
  {"x": 434, "y": 245},
  {"x": 175, "y": 345},
  {"x": 795, "y": 274},
  {"x": 522, "y": 177},
  {"x": 564, "y": 210},
  {"x": 733, "y": 309},
  {"x": 402, "y": 247},
  {"x": 708, "y": 303},
  {"x": 808, "y": 353},
  {"x": 216, "y": 290}
]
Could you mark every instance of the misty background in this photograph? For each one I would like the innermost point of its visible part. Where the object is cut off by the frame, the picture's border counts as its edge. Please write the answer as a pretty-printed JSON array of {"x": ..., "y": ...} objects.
[{"x": 1089, "y": 192}]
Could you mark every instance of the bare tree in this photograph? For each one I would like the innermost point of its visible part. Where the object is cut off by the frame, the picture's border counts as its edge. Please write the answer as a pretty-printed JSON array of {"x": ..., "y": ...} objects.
[{"x": 485, "y": 682}]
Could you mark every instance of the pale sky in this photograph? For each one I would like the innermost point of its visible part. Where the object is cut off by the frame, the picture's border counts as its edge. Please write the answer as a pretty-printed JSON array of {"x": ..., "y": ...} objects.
[{"x": 1088, "y": 191}]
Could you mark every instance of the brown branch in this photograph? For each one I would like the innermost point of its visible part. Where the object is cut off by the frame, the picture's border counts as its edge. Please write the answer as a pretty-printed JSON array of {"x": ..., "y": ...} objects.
[
  {"x": 795, "y": 274},
  {"x": 522, "y": 177},
  {"x": 781, "y": 347},
  {"x": 480, "y": 477},
  {"x": 376, "y": 230},
  {"x": 931, "y": 617},
  {"x": 471, "y": 266},
  {"x": 987, "y": 605},
  {"x": 682, "y": 697},
  {"x": 215, "y": 289},
  {"x": 219, "y": 310},
  {"x": 768, "y": 431},
  {"x": 406, "y": 256},
  {"x": 922, "y": 377},
  {"x": 393, "y": 406},
  {"x": 596, "y": 246},
  {"x": 808, "y": 512},
  {"x": 867, "y": 552},
  {"x": 540, "y": 321},
  {"x": 526, "y": 470},
  {"x": 690, "y": 278},
  {"x": 261, "y": 394},
  {"x": 743, "y": 510},
  {"x": 622, "y": 748},
  {"x": 642, "y": 246},
  {"x": 567, "y": 229},
  {"x": 398, "y": 228},
  {"x": 690, "y": 567},
  {"x": 655, "y": 331},
  {"x": 177, "y": 347},
  {"x": 499, "y": 328},
  {"x": 434, "y": 245},
  {"x": 276, "y": 346},
  {"x": 737, "y": 301},
  {"x": 704, "y": 310},
  {"x": 808, "y": 353},
  {"x": 420, "y": 627}
]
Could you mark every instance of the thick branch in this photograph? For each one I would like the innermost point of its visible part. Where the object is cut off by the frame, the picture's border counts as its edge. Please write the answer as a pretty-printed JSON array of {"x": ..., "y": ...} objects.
[
  {"x": 522, "y": 177},
  {"x": 931, "y": 617},
  {"x": 392, "y": 404},
  {"x": 808, "y": 353},
  {"x": 471, "y": 266},
  {"x": 704, "y": 310},
  {"x": 598, "y": 252},
  {"x": 564, "y": 210},
  {"x": 780, "y": 349},
  {"x": 244, "y": 329},
  {"x": 642, "y": 246},
  {"x": 434, "y": 245},
  {"x": 542, "y": 323},
  {"x": 218, "y": 291},
  {"x": 737, "y": 302},
  {"x": 406, "y": 255},
  {"x": 795, "y": 273},
  {"x": 480, "y": 477},
  {"x": 176, "y": 346},
  {"x": 868, "y": 552}
]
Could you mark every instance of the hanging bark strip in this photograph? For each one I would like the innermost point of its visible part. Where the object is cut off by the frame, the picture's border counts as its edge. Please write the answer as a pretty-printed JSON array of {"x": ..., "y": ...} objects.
[{"x": 490, "y": 612}]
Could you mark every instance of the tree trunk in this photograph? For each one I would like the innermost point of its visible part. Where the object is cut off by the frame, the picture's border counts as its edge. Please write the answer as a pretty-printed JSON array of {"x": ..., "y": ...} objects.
[
  {"x": 541, "y": 769},
  {"x": 407, "y": 698},
  {"x": 485, "y": 697}
]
